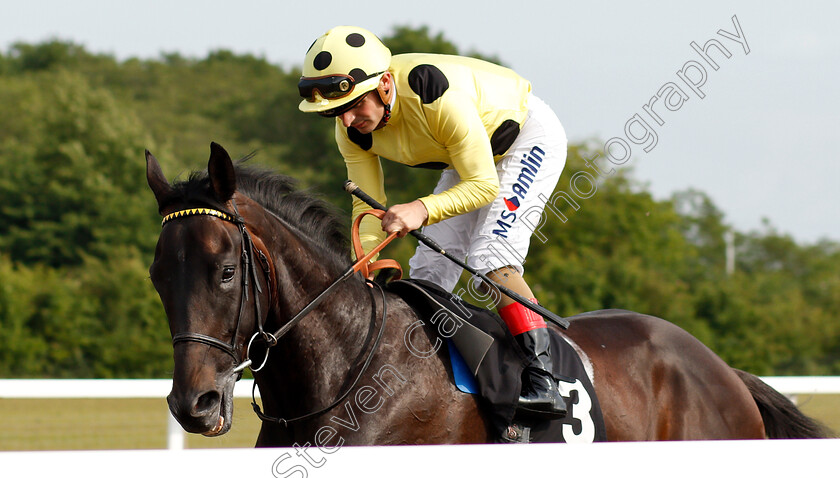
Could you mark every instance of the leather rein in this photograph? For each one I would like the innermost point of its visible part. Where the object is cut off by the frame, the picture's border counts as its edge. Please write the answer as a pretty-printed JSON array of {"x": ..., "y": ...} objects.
[{"x": 250, "y": 280}]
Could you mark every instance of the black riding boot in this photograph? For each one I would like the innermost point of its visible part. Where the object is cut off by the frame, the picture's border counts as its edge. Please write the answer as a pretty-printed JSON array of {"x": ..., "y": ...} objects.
[{"x": 540, "y": 397}]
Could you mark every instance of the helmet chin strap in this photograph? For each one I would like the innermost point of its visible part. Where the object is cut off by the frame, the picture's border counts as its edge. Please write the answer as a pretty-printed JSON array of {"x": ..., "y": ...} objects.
[{"x": 387, "y": 97}]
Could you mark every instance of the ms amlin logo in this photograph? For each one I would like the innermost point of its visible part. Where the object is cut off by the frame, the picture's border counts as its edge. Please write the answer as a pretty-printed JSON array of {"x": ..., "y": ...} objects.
[{"x": 531, "y": 163}]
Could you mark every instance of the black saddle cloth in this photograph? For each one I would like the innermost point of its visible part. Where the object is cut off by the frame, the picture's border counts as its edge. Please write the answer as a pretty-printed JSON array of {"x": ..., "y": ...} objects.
[{"x": 499, "y": 371}]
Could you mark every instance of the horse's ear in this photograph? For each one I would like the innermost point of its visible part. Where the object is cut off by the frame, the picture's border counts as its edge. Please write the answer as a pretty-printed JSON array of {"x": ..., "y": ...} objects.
[
  {"x": 222, "y": 174},
  {"x": 157, "y": 181}
]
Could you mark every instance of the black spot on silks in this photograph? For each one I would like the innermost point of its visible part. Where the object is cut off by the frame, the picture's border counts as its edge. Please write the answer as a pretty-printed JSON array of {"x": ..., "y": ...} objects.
[
  {"x": 365, "y": 141},
  {"x": 504, "y": 136},
  {"x": 431, "y": 165},
  {"x": 428, "y": 82}
]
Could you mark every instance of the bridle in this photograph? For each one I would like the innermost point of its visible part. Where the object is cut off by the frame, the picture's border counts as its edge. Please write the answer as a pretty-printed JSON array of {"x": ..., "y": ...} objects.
[{"x": 249, "y": 276}]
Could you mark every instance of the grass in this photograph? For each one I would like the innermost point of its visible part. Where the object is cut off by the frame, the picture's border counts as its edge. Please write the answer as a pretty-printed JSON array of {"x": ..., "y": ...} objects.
[
  {"x": 825, "y": 408},
  {"x": 108, "y": 424}
]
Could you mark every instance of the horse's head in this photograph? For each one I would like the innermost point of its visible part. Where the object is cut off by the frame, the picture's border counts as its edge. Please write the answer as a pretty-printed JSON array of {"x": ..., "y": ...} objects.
[{"x": 203, "y": 272}]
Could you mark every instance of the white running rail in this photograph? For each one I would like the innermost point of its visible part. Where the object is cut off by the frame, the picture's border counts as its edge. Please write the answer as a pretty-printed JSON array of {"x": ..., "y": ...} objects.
[{"x": 159, "y": 388}]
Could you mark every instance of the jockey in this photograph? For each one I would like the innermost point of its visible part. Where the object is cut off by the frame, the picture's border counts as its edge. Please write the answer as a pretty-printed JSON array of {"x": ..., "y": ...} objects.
[{"x": 501, "y": 150}]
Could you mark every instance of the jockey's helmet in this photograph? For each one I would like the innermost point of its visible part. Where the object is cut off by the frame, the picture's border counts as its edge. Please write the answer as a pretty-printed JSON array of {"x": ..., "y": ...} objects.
[{"x": 339, "y": 68}]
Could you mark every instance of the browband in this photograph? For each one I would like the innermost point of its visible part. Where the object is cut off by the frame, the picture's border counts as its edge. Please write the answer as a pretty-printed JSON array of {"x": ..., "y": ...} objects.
[{"x": 198, "y": 211}]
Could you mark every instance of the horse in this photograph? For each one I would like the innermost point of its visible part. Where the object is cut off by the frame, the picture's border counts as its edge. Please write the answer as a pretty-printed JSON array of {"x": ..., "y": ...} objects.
[{"x": 242, "y": 250}]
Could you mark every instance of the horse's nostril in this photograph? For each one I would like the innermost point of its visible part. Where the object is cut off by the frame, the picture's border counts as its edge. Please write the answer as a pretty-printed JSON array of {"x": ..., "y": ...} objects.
[{"x": 206, "y": 403}]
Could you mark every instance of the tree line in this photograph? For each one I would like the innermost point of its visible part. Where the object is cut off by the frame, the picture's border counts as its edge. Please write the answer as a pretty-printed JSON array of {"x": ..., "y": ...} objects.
[{"x": 78, "y": 225}]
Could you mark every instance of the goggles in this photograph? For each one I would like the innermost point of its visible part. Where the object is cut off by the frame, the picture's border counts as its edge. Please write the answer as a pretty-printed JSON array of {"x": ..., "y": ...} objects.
[{"x": 329, "y": 87}]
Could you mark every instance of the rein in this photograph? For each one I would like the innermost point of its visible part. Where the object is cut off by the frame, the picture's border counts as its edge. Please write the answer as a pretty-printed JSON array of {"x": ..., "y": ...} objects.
[
  {"x": 373, "y": 349},
  {"x": 271, "y": 339}
]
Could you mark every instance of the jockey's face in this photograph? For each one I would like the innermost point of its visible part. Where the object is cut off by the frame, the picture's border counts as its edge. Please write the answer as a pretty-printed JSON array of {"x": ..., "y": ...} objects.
[{"x": 367, "y": 115}]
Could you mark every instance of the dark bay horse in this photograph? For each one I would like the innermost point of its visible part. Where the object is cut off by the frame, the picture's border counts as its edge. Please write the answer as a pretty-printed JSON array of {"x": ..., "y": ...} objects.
[{"x": 242, "y": 252}]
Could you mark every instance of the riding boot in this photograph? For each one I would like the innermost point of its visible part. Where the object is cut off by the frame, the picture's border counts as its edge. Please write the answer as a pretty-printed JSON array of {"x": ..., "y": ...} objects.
[{"x": 540, "y": 397}]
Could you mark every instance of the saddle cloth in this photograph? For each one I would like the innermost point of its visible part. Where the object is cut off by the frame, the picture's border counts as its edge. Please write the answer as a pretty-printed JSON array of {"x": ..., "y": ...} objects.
[{"x": 485, "y": 349}]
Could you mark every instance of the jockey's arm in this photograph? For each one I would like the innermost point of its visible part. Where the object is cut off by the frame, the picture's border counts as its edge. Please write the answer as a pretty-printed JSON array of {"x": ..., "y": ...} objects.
[
  {"x": 404, "y": 218},
  {"x": 457, "y": 125}
]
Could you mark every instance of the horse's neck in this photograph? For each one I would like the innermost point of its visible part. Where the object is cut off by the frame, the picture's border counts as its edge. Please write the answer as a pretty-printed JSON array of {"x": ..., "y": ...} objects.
[
  {"x": 314, "y": 358},
  {"x": 302, "y": 273}
]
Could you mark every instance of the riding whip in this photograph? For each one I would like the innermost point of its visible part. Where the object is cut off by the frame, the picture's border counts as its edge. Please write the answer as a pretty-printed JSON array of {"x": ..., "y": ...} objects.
[{"x": 355, "y": 190}]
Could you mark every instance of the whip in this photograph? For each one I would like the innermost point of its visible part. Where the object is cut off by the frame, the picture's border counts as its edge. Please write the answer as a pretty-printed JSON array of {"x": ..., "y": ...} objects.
[{"x": 355, "y": 190}]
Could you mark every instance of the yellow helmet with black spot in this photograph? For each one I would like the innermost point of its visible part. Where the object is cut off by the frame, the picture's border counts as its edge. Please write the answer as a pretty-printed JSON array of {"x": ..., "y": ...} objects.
[{"x": 339, "y": 68}]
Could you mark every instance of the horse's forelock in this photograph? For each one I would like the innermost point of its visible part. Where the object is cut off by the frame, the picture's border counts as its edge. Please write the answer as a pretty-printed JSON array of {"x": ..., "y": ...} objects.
[{"x": 320, "y": 221}]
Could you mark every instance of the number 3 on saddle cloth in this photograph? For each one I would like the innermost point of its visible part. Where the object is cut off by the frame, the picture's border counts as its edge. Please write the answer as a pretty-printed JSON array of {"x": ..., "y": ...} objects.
[{"x": 487, "y": 361}]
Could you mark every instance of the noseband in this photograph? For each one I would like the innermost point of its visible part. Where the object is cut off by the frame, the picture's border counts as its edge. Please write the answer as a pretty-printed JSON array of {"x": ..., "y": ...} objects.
[{"x": 249, "y": 275}]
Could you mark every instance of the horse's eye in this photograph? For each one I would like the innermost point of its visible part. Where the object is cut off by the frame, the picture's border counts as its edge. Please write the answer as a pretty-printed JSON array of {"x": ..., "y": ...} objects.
[{"x": 228, "y": 273}]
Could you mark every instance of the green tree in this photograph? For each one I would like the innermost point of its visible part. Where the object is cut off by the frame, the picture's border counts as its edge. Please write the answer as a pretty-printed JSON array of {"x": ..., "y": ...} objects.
[
  {"x": 606, "y": 243},
  {"x": 101, "y": 319},
  {"x": 407, "y": 39},
  {"x": 72, "y": 179}
]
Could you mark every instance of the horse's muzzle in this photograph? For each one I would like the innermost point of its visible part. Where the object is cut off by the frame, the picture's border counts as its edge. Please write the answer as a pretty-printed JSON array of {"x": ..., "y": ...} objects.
[{"x": 207, "y": 412}]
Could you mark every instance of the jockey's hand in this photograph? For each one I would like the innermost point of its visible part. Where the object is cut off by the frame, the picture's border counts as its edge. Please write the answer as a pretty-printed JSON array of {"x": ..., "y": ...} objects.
[{"x": 404, "y": 218}]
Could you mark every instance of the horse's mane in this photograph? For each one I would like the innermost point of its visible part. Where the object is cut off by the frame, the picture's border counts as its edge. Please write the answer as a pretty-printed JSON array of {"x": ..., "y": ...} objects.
[{"x": 319, "y": 221}]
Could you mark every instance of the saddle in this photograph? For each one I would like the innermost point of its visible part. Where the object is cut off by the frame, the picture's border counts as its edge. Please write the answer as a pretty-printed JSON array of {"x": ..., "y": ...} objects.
[{"x": 487, "y": 361}]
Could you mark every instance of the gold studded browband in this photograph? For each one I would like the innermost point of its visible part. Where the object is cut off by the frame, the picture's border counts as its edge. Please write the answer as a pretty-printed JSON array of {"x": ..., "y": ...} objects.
[{"x": 198, "y": 211}]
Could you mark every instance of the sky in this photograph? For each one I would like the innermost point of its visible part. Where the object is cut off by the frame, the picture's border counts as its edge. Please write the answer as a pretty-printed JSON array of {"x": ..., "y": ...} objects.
[{"x": 759, "y": 142}]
